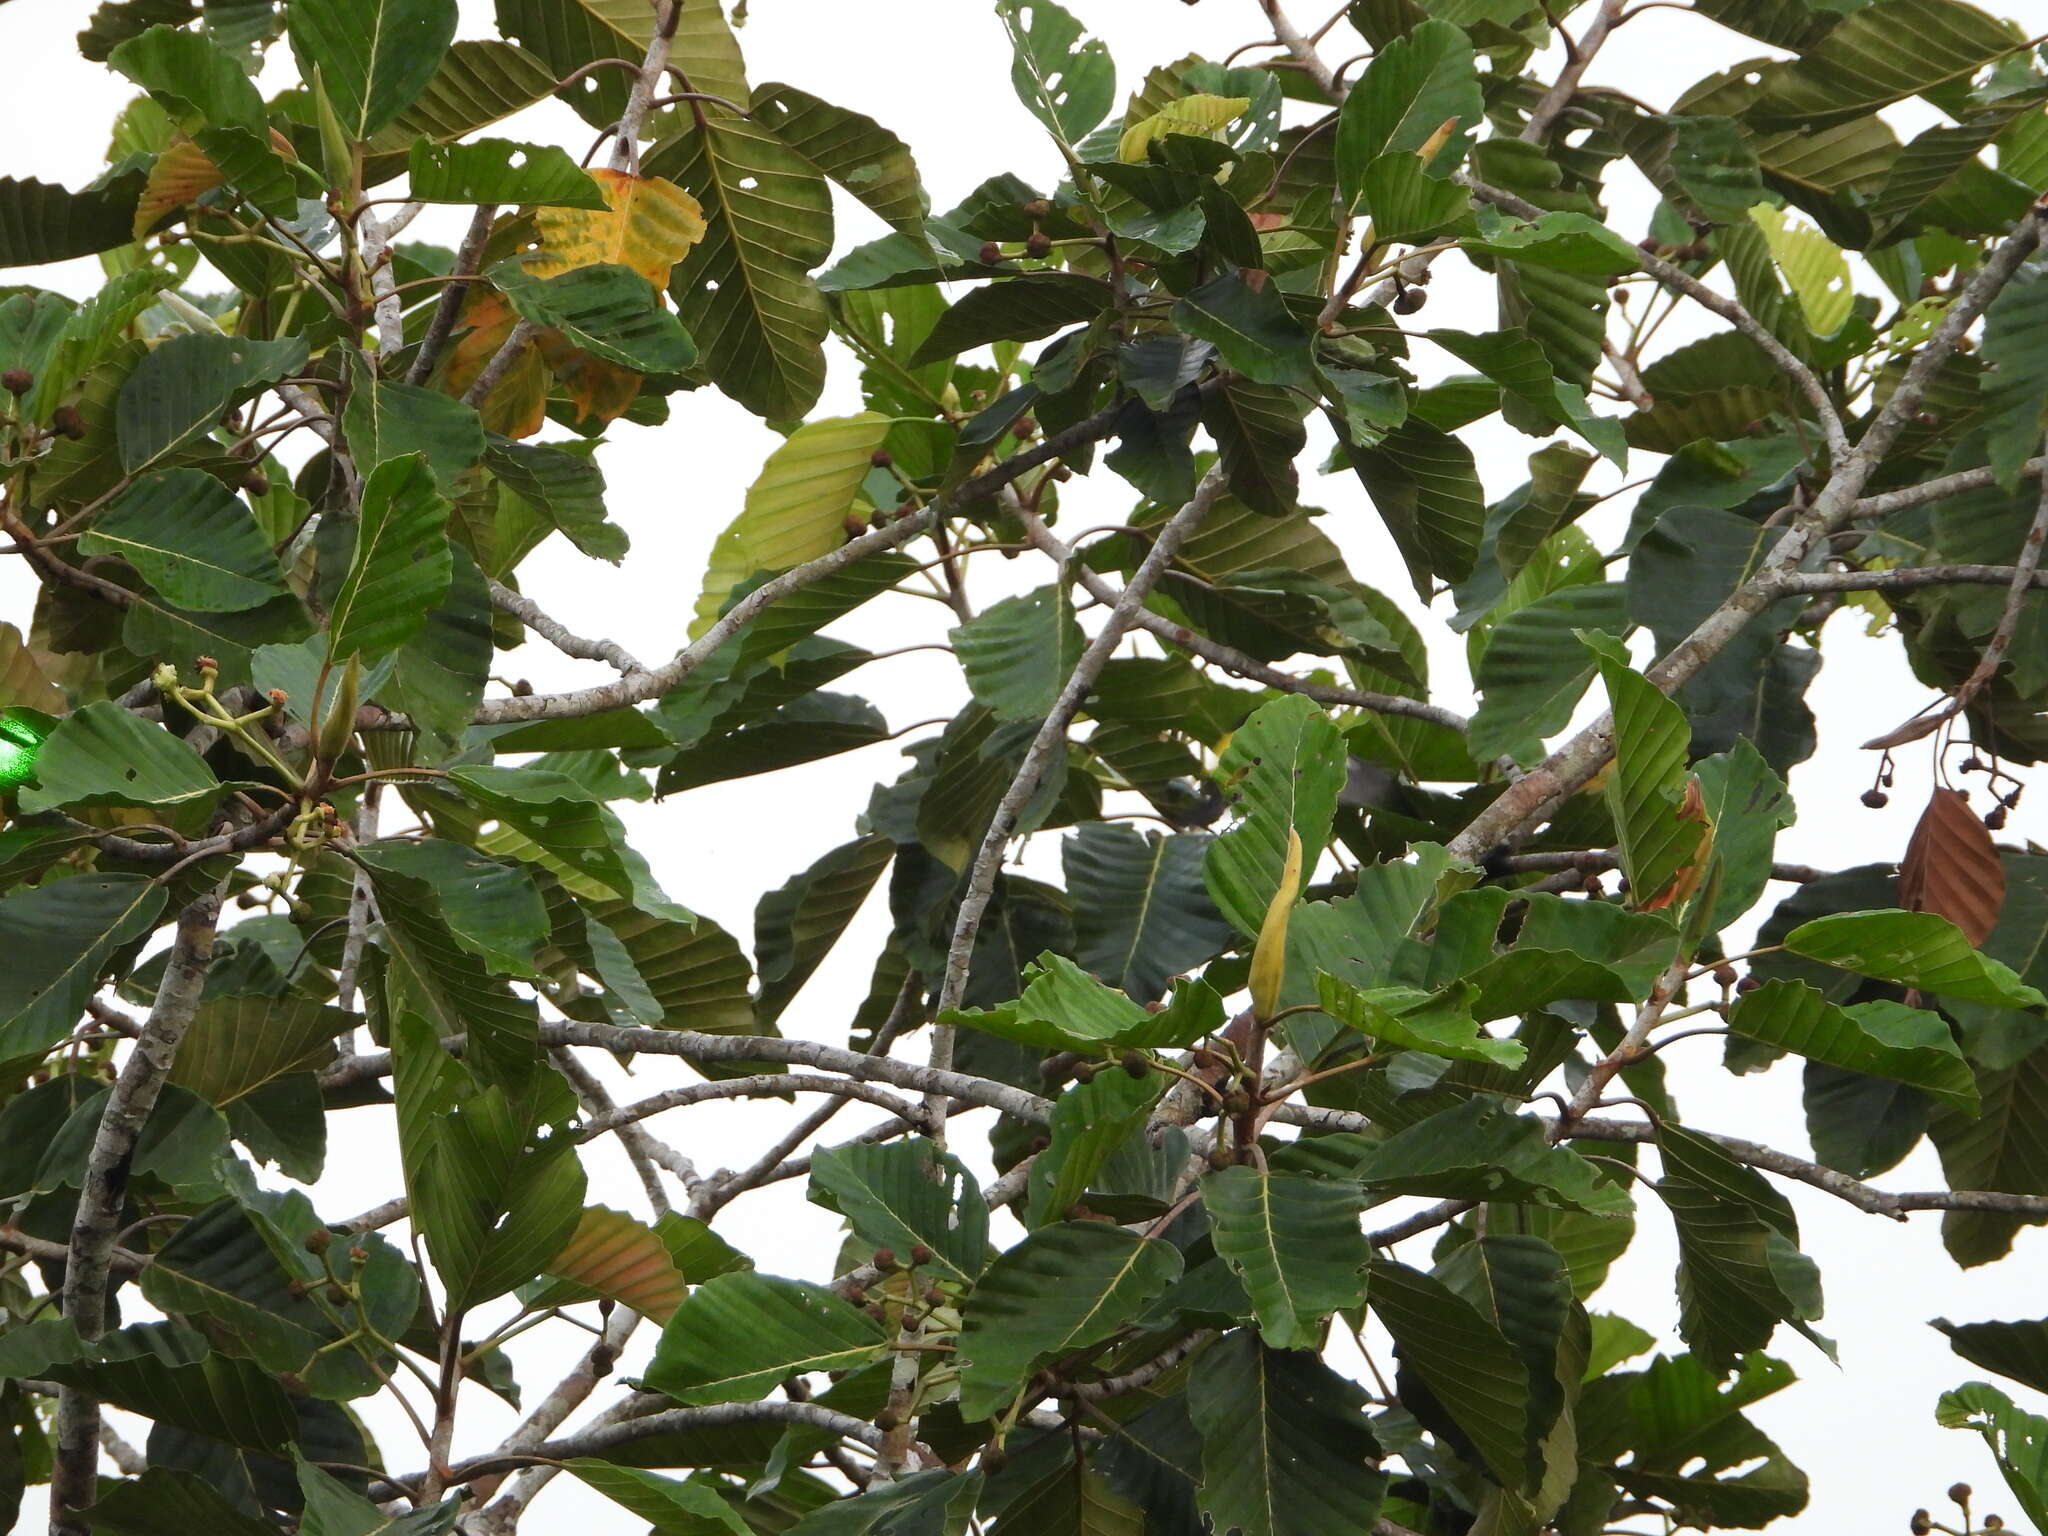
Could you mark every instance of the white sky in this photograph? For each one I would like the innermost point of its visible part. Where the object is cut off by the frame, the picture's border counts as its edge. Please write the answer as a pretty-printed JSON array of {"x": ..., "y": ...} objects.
[{"x": 936, "y": 72}]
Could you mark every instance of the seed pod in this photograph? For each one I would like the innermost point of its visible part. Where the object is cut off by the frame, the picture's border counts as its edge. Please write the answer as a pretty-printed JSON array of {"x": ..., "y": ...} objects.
[
  {"x": 1409, "y": 300},
  {"x": 1037, "y": 208},
  {"x": 1994, "y": 1523},
  {"x": 256, "y": 483},
  {"x": 1875, "y": 798},
  {"x": 317, "y": 1240},
  {"x": 1084, "y": 1071},
  {"x": 1959, "y": 1493},
  {"x": 521, "y": 688},
  {"x": 1921, "y": 1523}
]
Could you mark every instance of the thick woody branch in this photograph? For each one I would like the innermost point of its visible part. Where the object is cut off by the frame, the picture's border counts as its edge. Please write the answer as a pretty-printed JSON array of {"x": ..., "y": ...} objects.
[
  {"x": 1887, "y": 502},
  {"x": 377, "y": 237},
  {"x": 765, "y": 1085},
  {"x": 626, "y": 141},
  {"x": 104, "y": 1189}
]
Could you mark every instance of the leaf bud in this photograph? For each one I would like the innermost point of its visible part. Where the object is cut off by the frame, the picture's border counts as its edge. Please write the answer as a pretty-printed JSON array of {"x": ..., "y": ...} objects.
[
  {"x": 1409, "y": 300},
  {"x": 17, "y": 381},
  {"x": 317, "y": 1240},
  {"x": 1039, "y": 245},
  {"x": 66, "y": 422},
  {"x": 359, "y": 1256},
  {"x": 340, "y": 722},
  {"x": 1875, "y": 798},
  {"x": 990, "y": 253},
  {"x": 278, "y": 698},
  {"x": 920, "y": 1254},
  {"x": 1137, "y": 1063},
  {"x": 1959, "y": 1493},
  {"x": 885, "y": 1258}
]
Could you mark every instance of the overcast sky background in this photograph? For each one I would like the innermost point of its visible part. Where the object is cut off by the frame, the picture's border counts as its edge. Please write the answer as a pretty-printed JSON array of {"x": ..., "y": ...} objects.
[{"x": 936, "y": 72}]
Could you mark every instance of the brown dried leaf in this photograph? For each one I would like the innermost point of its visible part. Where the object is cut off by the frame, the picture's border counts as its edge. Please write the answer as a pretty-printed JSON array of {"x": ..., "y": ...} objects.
[
  {"x": 21, "y": 676},
  {"x": 1951, "y": 867}
]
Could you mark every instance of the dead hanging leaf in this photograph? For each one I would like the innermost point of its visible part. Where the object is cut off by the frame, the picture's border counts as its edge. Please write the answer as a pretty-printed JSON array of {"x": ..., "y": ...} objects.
[
  {"x": 1691, "y": 813},
  {"x": 21, "y": 677},
  {"x": 182, "y": 173},
  {"x": 614, "y": 1256},
  {"x": 1951, "y": 867},
  {"x": 650, "y": 224}
]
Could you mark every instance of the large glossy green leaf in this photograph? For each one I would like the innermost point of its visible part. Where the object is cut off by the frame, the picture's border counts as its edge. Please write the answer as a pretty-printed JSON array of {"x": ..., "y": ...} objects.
[
  {"x": 401, "y": 567},
  {"x": 1063, "y": 1008},
  {"x": 1881, "y": 1039},
  {"x": 795, "y": 510},
  {"x": 62, "y": 935},
  {"x": 1065, "y": 79},
  {"x": 904, "y": 1194},
  {"x": 1406, "y": 1019},
  {"x": 187, "y": 383},
  {"x": 563, "y": 486},
  {"x": 335, "y": 1509},
  {"x": 491, "y": 908},
  {"x": 2018, "y": 1350},
  {"x": 165, "y": 1501},
  {"x": 1021, "y": 308},
  {"x": 196, "y": 81},
  {"x": 1063, "y": 1288},
  {"x": 1259, "y": 432},
  {"x": 475, "y": 83},
  {"x": 935, "y": 1502},
  {"x": 860, "y": 154},
  {"x": 103, "y": 755},
  {"x": 1090, "y": 1123},
  {"x": 1465, "y": 1360},
  {"x": 1424, "y": 486},
  {"x": 1661, "y": 844},
  {"x": 2001, "y": 1148},
  {"x": 235, "y": 1045},
  {"x": 609, "y": 311},
  {"x": 1142, "y": 913},
  {"x": 1915, "y": 949},
  {"x": 41, "y": 222},
  {"x": 1534, "y": 400},
  {"x": 1879, "y": 54},
  {"x": 1286, "y": 1448},
  {"x": 1017, "y": 653},
  {"x": 494, "y": 1201},
  {"x": 744, "y": 291},
  {"x": 385, "y": 420},
  {"x": 556, "y": 822},
  {"x": 741, "y": 1334},
  {"x": 666, "y": 1503},
  {"x": 1411, "y": 90},
  {"x": 373, "y": 57},
  {"x": 1251, "y": 329},
  {"x": 796, "y": 925},
  {"x": 1293, "y": 1240},
  {"x": 438, "y": 679},
  {"x": 2016, "y": 1438},
  {"x": 192, "y": 539},
  {"x": 2016, "y": 389},
  {"x": 499, "y": 171},
  {"x": 1282, "y": 772},
  {"x": 1534, "y": 668}
]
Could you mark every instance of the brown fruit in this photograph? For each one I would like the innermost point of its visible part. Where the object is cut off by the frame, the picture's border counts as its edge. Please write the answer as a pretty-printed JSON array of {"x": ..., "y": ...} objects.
[
  {"x": 256, "y": 483},
  {"x": 66, "y": 422},
  {"x": 17, "y": 381},
  {"x": 1959, "y": 1492},
  {"x": 885, "y": 1258},
  {"x": 920, "y": 1254},
  {"x": 1921, "y": 1523},
  {"x": 881, "y": 458},
  {"x": 1876, "y": 799},
  {"x": 990, "y": 253},
  {"x": 1409, "y": 300},
  {"x": 1039, "y": 245},
  {"x": 1037, "y": 208},
  {"x": 317, "y": 1240},
  {"x": 1136, "y": 1063}
]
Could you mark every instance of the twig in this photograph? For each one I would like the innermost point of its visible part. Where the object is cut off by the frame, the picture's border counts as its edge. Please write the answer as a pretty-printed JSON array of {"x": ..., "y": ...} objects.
[
  {"x": 104, "y": 1189},
  {"x": 468, "y": 258},
  {"x": 1887, "y": 502},
  {"x": 1579, "y": 56},
  {"x": 501, "y": 363},
  {"x": 529, "y": 613},
  {"x": 377, "y": 237},
  {"x": 761, "y": 1086},
  {"x": 626, "y": 145},
  {"x": 1291, "y": 37},
  {"x": 633, "y": 1136}
]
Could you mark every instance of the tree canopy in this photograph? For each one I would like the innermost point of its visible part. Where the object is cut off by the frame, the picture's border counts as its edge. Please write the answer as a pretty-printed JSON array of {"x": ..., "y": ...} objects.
[{"x": 1255, "y": 1165}]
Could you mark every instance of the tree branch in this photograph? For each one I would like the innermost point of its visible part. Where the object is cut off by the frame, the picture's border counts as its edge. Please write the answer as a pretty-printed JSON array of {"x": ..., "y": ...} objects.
[
  {"x": 765, "y": 1085},
  {"x": 104, "y": 1189},
  {"x": 469, "y": 257},
  {"x": 1579, "y": 56},
  {"x": 1887, "y": 502},
  {"x": 529, "y": 613}
]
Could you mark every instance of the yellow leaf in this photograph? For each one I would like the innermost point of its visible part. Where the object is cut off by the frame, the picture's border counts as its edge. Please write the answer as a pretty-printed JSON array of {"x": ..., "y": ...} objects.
[
  {"x": 1192, "y": 115},
  {"x": 796, "y": 510},
  {"x": 181, "y": 173},
  {"x": 1269, "y": 956},
  {"x": 518, "y": 405},
  {"x": 1813, "y": 265},
  {"x": 623, "y": 1259},
  {"x": 650, "y": 224},
  {"x": 601, "y": 390}
]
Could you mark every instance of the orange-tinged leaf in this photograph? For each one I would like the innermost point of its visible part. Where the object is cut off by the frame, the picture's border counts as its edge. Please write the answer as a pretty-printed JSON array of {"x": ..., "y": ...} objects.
[
  {"x": 1691, "y": 809},
  {"x": 624, "y": 1260},
  {"x": 1951, "y": 867},
  {"x": 650, "y": 224},
  {"x": 601, "y": 390},
  {"x": 181, "y": 174},
  {"x": 518, "y": 405}
]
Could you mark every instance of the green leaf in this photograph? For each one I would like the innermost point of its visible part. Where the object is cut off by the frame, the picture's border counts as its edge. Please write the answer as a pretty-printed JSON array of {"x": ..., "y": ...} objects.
[
  {"x": 474, "y": 84},
  {"x": 1064, "y": 79},
  {"x": 1661, "y": 844},
  {"x": 167, "y": 1501},
  {"x": 1534, "y": 668},
  {"x": 2016, "y": 388},
  {"x": 491, "y": 909},
  {"x": 1251, "y": 329},
  {"x": 935, "y": 1502},
  {"x": 1259, "y": 432},
  {"x": 235, "y": 1045},
  {"x": 1569, "y": 242},
  {"x": 857, "y": 152},
  {"x": 796, "y": 925},
  {"x": 195, "y": 80},
  {"x": 1440, "y": 1024},
  {"x": 1063, "y": 1008},
  {"x": 500, "y": 171},
  {"x": 1907, "y": 1045},
  {"x": 666, "y": 1503},
  {"x": 186, "y": 384},
  {"x": 102, "y": 755},
  {"x": 614, "y": 1257},
  {"x": 565, "y": 487},
  {"x": 384, "y": 420},
  {"x": 2016, "y": 1438},
  {"x": 795, "y": 510},
  {"x": 1406, "y": 203},
  {"x": 1425, "y": 488},
  {"x": 1411, "y": 90},
  {"x": 1020, "y": 308},
  {"x": 334, "y": 1509},
  {"x": 373, "y": 57},
  {"x": 401, "y": 567},
  {"x": 1090, "y": 1123},
  {"x": 742, "y": 1334},
  {"x": 63, "y": 934},
  {"x": 1142, "y": 913},
  {"x": 1286, "y": 1448},
  {"x": 495, "y": 1203},
  {"x": 1465, "y": 1360},
  {"x": 2000, "y": 1149},
  {"x": 1877, "y": 55},
  {"x": 1535, "y": 401},
  {"x": 1813, "y": 267},
  {"x": 1018, "y": 653},
  {"x": 438, "y": 679},
  {"x": 1293, "y": 1240},
  {"x": 1063, "y": 1288},
  {"x": 1282, "y": 771},
  {"x": 2018, "y": 1350},
  {"x": 609, "y": 311},
  {"x": 1748, "y": 805},
  {"x": 903, "y": 1194},
  {"x": 192, "y": 539},
  {"x": 744, "y": 290},
  {"x": 1914, "y": 949},
  {"x": 1477, "y": 1150}
]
